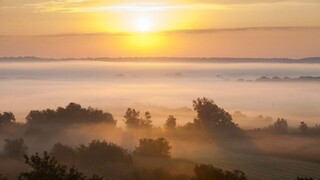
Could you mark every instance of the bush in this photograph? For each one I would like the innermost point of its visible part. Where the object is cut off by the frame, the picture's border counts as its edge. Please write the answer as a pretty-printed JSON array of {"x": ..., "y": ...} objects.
[
  {"x": 153, "y": 148},
  {"x": 99, "y": 153},
  {"x": 209, "y": 172},
  {"x": 64, "y": 154},
  {"x": 72, "y": 113},
  {"x": 47, "y": 168},
  {"x": 15, "y": 148}
]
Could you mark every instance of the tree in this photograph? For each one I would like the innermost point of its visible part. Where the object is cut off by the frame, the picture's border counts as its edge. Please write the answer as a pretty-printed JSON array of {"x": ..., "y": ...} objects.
[
  {"x": 280, "y": 126},
  {"x": 48, "y": 168},
  {"x": 211, "y": 116},
  {"x": 15, "y": 148},
  {"x": 6, "y": 118},
  {"x": 153, "y": 148},
  {"x": 72, "y": 113},
  {"x": 304, "y": 178},
  {"x": 64, "y": 154},
  {"x": 303, "y": 127},
  {"x": 133, "y": 120},
  {"x": 209, "y": 172},
  {"x": 171, "y": 123},
  {"x": 99, "y": 153},
  {"x": 146, "y": 122}
]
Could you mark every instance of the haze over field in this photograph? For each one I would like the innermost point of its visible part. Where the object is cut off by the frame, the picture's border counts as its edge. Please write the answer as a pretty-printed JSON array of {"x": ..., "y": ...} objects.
[
  {"x": 162, "y": 86},
  {"x": 159, "y": 89}
]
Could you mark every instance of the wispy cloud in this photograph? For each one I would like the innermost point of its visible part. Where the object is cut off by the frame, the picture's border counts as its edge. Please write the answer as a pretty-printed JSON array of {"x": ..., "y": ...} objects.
[
  {"x": 188, "y": 31},
  {"x": 94, "y": 6}
]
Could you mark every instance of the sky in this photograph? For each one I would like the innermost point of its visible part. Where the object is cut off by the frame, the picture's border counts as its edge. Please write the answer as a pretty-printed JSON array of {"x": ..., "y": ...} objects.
[{"x": 184, "y": 28}]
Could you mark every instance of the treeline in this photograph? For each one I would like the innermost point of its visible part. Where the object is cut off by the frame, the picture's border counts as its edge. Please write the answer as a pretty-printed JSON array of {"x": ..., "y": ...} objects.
[
  {"x": 108, "y": 160},
  {"x": 210, "y": 117},
  {"x": 281, "y": 126},
  {"x": 112, "y": 161}
]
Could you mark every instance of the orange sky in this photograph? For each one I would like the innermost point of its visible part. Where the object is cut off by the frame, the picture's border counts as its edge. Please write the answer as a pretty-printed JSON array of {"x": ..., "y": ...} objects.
[{"x": 221, "y": 28}]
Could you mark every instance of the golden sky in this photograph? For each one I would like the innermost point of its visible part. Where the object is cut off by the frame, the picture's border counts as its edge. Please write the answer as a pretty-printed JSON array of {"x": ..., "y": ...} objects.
[{"x": 206, "y": 28}]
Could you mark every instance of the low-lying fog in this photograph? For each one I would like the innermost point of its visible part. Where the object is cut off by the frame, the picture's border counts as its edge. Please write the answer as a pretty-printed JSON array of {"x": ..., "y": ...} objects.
[{"x": 162, "y": 88}]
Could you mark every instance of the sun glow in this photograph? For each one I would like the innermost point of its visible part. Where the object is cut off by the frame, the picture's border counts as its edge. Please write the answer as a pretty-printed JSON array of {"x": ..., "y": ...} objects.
[{"x": 142, "y": 24}]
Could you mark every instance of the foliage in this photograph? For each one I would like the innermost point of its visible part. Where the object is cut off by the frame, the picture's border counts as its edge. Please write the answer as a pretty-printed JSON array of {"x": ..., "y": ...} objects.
[
  {"x": 153, "y": 148},
  {"x": 133, "y": 119},
  {"x": 303, "y": 127},
  {"x": 7, "y": 118},
  {"x": 280, "y": 126},
  {"x": 99, "y": 153},
  {"x": 72, "y": 113},
  {"x": 171, "y": 123},
  {"x": 15, "y": 148},
  {"x": 3, "y": 177},
  {"x": 211, "y": 116},
  {"x": 304, "y": 178},
  {"x": 209, "y": 172},
  {"x": 154, "y": 174},
  {"x": 64, "y": 153},
  {"x": 47, "y": 168}
]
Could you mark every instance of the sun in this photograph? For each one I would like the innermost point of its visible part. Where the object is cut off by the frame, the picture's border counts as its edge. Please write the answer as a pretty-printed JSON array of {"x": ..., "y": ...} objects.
[{"x": 142, "y": 24}]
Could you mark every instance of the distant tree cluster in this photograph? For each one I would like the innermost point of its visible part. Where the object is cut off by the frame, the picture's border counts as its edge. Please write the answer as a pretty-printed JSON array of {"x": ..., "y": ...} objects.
[
  {"x": 153, "y": 148},
  {"x": 280, "y": 126},
  {"x": 133, "y": 120},
  {"x": 6, "y": 118},
  {"x": 72, "y": 113}
]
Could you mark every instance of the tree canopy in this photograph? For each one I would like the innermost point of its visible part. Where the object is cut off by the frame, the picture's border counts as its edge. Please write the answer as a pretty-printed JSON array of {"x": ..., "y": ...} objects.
[
  {"x": 48, "y": 168},
  {"x": 133, "y": 120},
  {"x": 171, "y": 123},
  {"x": 15, "y": 148},
  {"x": 99, "y": 153},
  {"x": 211, "y": 116},
  {"x": 209, "y": 172},
  {"x": 149, "y": 147},
  {"x": 6, "y": 118},
  {"x": 72, "y": 113}
]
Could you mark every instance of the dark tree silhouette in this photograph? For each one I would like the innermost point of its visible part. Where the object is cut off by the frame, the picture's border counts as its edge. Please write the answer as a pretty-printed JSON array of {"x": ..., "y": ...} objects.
[
  {"x": 153, "y": 148},
  {"x": 99, "y": 153},
  {"x": 304, "y": 127},
  {"x": 15, "y": 148},
  {"x": 154, "y": 174},
  {"x": 7, "y": 118},
  {"x": 48, "y": 168},
  {"x": 304, "y": 178},
  {"x": 72, "y": 113},
  {"x": 209, "y": 172},
  {"x": 280, "y": 126},
  {"x": 171, "y": 123},
  {"x": 211, "y": 116},
  {"x": 146, "y": 122},
  {"x": 133, "y": 120},
  {"x": 64, "y": 154},
  {"x": 3, "y": 177}
]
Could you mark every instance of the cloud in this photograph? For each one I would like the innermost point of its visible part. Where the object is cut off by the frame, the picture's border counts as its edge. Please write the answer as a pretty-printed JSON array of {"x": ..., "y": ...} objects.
[
  {"x": 136, "y": 5},
  {"x": 98, "y": 5},
  {"x": 187, "y": 31}
]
